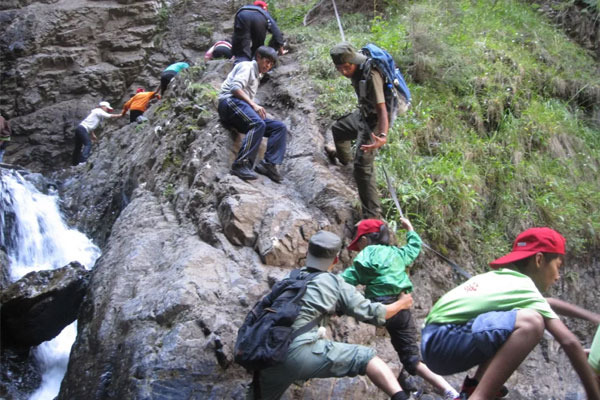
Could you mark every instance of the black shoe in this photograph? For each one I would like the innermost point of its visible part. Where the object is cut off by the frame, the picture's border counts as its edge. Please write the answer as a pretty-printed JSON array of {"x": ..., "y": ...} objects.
[
  {"x": 243, "y": 170},
  {"x": 470, "y": 384},
  {"x": 407, "y": 382},
  {"x": 265, "y": 78},
  {"x": 269, "y": 170}
]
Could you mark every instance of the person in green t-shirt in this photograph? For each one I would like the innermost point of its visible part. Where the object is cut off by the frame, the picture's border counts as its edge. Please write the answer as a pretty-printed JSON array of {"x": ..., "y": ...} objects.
[
  {"x": 495, "y": 319},
  {"x": 382, "y": 269},
  {"x": 594, "y": 358}
]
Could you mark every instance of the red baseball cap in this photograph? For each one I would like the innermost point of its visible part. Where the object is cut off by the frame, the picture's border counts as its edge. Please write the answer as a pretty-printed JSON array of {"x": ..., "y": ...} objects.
[
  {"x": 530, "y": 242},
  {"x": 261, "y": 4},
  {"x": 139, "y": 90},
  {"x": 365, "y": 226}
]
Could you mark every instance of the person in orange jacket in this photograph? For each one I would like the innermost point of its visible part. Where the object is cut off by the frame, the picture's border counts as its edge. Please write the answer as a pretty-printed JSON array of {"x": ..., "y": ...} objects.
[{"x": 138, "y": 104}]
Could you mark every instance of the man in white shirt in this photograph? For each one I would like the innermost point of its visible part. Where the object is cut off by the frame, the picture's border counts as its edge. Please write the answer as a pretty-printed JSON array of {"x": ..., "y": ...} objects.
[{"x": 85, "y": 129}]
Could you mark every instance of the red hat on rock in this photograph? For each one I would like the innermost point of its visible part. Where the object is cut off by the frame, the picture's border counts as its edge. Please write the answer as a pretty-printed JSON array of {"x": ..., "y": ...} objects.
[
  {"x": 364, "y": 227},
  {"x": 261, "y": 4},
  {"x": 530, "y": 242}
]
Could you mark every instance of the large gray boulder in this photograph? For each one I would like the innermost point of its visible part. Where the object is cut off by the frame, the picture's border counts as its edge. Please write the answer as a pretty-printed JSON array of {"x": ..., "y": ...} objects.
[{"x": 38, "y": 306}]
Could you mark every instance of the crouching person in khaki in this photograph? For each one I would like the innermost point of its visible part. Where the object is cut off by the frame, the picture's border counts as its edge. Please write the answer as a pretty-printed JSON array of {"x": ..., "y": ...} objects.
[{"x": 311, "y": 355}]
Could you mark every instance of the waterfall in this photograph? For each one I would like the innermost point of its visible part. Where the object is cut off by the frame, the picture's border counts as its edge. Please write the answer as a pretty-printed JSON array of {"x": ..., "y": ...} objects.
[{"x": 36, "y": 238}]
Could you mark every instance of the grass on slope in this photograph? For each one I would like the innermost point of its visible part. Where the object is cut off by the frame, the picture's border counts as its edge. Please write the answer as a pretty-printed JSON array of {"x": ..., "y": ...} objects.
[{"x": 500, "y": 134}]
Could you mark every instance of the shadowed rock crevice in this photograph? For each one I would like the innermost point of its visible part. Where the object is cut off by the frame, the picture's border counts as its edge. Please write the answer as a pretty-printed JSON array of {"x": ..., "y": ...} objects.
[{"x": 39, "y": 305}]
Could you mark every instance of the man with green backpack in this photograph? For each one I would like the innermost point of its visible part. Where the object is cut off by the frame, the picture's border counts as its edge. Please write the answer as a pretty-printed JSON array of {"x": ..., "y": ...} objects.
[{"x": 381, "y": 93}]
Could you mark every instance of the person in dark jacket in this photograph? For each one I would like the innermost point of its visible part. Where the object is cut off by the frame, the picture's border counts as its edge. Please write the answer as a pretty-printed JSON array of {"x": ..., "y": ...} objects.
[{"x": 250, "y": 30}]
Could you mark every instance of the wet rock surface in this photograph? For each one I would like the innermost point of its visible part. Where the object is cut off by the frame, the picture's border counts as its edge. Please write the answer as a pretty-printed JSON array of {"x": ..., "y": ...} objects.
[
  {"x": 38, "y": 306},
  {"x": 19, "y": 376}
]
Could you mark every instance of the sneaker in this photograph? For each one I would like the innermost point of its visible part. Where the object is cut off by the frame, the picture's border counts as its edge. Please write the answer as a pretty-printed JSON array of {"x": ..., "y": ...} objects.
[
  {"x": 469, "y": 385},
  {"x": 269, "y": 170},
  {"x": 452, "y": 395},
  {"x": 243, "y": 170}
]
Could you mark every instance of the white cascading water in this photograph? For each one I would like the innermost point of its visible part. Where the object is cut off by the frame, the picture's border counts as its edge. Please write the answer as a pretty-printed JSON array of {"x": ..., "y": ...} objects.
[{"x": 38, "y": 240}]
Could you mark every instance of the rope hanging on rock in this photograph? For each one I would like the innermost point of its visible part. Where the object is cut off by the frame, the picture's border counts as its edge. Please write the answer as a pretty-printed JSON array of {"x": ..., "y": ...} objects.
[
  {"x": 337, "y": 16},
  {"x": 392, "y": 191}
]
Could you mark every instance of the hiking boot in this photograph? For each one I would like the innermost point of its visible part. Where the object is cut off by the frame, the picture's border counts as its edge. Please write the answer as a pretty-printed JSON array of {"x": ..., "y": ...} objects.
[
  {"x": 469, "y": 385},
  {"x": 243, "y": 170},
  {"x": 331, "y": 153},
  {"x": 407, "y": 382},
  {"x": 269, "y": 170}
]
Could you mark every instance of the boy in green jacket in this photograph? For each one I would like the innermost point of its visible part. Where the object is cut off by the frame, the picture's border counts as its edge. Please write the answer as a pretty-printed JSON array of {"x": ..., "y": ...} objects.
[{"x": 382, "y": 269}]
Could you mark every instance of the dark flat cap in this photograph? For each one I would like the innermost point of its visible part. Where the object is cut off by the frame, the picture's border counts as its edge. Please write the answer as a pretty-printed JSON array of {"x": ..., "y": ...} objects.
[
  {"x": 344, "y": 52},
  {"x": 323, "y": 247}
]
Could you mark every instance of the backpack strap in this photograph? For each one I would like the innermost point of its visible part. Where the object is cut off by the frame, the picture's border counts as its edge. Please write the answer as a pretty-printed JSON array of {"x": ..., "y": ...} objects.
[
  {"x": 307, "y": 327},
  {"x": 363, "y": 103}
]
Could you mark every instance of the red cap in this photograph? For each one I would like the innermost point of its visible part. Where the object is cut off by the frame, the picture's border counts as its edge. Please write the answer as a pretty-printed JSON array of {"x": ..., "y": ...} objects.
[
  {"x": 138, "y": 90},
  {"x": 530, "y": 242},
  {"x": 261, "y": 4},
  {"x": 365, "y": 226}
]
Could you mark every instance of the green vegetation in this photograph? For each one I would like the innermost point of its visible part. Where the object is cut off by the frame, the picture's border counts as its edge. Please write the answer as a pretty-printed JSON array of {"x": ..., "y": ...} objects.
[
  {"x": 169, "y": 190},
  {"x": 163, "y": 15},
  {"x": 202, "y": 93},
  {"x": 500, "y": 135},
  {"x": 204, "y": 29},
  {"x": 172, "y": 160}
]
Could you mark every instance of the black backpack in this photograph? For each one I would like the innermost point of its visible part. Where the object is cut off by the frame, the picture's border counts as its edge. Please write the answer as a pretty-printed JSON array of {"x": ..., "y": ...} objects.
[{"x": 265, "y": 336}]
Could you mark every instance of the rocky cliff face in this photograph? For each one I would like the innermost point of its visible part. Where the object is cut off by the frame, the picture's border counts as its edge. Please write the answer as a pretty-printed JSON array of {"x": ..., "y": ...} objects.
[
  {"x": 188, "y": 248},
  {"x": 61, "y": 57}
]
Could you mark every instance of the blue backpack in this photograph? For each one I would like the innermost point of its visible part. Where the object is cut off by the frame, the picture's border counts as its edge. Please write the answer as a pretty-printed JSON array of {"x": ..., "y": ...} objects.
[{"x": 394, "y": 83}]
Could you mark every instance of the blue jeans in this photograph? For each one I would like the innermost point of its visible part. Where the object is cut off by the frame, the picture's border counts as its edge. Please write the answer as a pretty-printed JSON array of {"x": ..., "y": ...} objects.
[
  {"x": 451, "y": 348},
  {"x": 239, "y": 115},
  {"x": 82, "y": 139}
]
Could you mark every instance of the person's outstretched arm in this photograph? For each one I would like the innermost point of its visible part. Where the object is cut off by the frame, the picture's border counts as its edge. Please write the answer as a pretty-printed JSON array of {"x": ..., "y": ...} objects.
[
  {"x": 570, "y": 344},
  {"x": 276, "y": 41},
  {"x": 127, "y": 105},
  {"x": 570, "y": 310}
]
